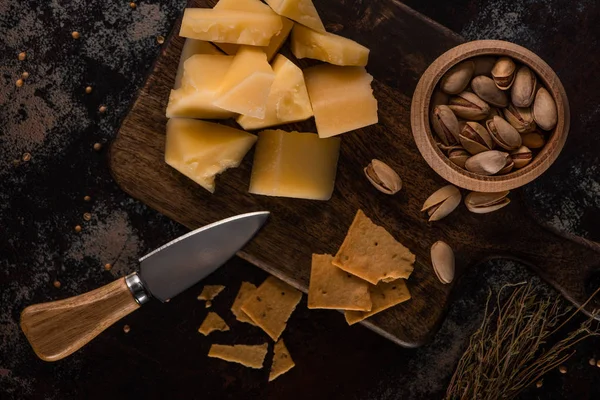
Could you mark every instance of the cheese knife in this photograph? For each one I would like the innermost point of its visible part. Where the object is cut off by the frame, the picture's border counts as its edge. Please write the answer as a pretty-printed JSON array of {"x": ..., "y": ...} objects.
[{"x": 59, "y": 328}]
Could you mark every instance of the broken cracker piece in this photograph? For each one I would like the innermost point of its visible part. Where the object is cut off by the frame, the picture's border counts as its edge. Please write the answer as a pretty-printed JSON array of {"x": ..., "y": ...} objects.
[
  {"x": 383, "y": 296},
  {"x": 282, "y": 361},
  {"x": 271, "y": 305},
  {"x": 251, "y": 356},
  {"x": 331, "y": 287},
  {"x": 212, "y": 323},
  {"x": 371, "y": 253},
  {"x": 246, "y": 290},
  {"x": 209, "y": 292}
]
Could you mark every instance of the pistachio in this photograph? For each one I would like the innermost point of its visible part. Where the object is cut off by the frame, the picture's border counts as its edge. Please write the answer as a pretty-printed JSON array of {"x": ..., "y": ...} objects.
[
  {"x": 469, "y": 106},
  {"x": 457, "y": 78},
  {"x": 475, "y": 138},
  {"x": 533, "y": 140},
  {"x": 486, "y": 89},
  {"x": 524, "y": 87},
  {"x": 442, "y": 202},
  {"x": 481, "y": 203},
  {"x": 384, "y": 178},
  {"x": 503, "y": 133},
  {"x": 439, "y": 98},
  {"x": 484, "y": 65},
  {"x": 510, "y": 165},
  {"x": 504, "y": 73},
  {"x": 520, "y": 118},
  {"x": 521, "y": 157},
  {"x": 544, "y": 110},
  {"x": 487, "y": 163},
  {"x": 448, "y": 149},
  {"x": 445, "y": 125},
  {"x": 442, "y": 259},
  {"x": 459, "y": 157}
]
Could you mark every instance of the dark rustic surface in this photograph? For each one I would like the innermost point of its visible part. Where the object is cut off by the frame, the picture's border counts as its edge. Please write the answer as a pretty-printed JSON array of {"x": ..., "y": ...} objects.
[{"x": 163, "y": 355}]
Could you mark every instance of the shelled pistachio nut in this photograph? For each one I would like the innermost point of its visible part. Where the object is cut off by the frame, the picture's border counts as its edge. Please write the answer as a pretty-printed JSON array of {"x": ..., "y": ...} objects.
[
  {"x": 445, "y": 125},
  {"x": 482, "y": 203},
  {"x": 443, "y": 261},
  {"x": 503, "y": 133},
  {"x": 521, "y": 157},
  {"x": 442, "y": 202},
  {"x": 383, "y": 177},
  {"x": 487, "y": 163},
  {"x": 486, "y": 89},
  {"x": 484, "y": 65},
  {"x": 520, "y": 118},
  {"x": 504, "y": 73},
  {"x": 475, "y": 138},
  {"x": 469, "y": 106},
  {"x": 533, "y": 140},
  {"x": 459, "y": 156},
  {"x": 458, "y": 77},
  {"x": 544, "y": 110},
  {"x": 524, "y": 87}
]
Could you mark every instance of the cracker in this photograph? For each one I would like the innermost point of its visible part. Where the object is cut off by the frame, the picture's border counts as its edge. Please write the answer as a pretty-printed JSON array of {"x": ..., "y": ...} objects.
[
  {"x": 383, "y": 296},
  {"x": 282, "y": 361},
  {"x": 209, "y": 292},
  {"x": 248, "y": 355},
  {"x": 271, "y": 305},
  {"x": 212, "y": 323},
  {"x": 372, "y": 254},
  {"x": 244, "y": 293},
  {"x": 330, "y": 287}
]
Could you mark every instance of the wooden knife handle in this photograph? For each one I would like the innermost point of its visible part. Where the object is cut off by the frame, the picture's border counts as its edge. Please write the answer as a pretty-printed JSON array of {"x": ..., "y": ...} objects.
[{"x": 59, "y": 328}]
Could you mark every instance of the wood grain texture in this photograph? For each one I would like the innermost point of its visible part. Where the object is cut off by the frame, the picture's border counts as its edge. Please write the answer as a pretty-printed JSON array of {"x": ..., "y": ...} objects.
[
  {"x": 403, "y": 44},
  {"x": 451, "y": 172},
  {"x": 59, "y": 328}
]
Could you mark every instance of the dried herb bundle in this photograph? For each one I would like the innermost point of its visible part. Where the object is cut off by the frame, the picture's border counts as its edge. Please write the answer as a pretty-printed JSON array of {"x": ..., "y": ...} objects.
[{"x": 506, "y": 354}]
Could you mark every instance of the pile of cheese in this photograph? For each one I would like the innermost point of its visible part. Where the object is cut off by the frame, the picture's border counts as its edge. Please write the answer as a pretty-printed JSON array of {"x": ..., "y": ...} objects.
[{"x": 246, "y": 79}]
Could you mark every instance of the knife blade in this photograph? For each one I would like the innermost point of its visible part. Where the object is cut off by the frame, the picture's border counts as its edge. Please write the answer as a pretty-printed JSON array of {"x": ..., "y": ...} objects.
[{"x": 57, "y": 329}]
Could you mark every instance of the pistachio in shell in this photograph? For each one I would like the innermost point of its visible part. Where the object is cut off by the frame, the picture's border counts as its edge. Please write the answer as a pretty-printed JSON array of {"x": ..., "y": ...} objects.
[
  {"x": 486, "y": 89},
  {"x": 457, "y": 78},
  {"x": 487, "y": 163},
  {"x": 459, "y": 156},
  {"x": 442, "y": 202},
  {"x": 383, "y": 177},
  {"x": 521, "y": 157},
  {"x": 544, "y": 110},
  {"x": 469, "y": 106},
  {"x": 524, "y": 87},
  {"x": 533, "y": 140},
  {"x": 445, "y": 125},
  {"x": 520, "y": 118},
  {"x": 484, "y": 65},
  {"x": 482, "y": 203},
  {"x": 475, "y": 138},
  {"x": 443, "y": 261},
  {"x": 503, "y": 133},
  {"x": 510, "y": 165},
  {"x": 503, "y": 73}
]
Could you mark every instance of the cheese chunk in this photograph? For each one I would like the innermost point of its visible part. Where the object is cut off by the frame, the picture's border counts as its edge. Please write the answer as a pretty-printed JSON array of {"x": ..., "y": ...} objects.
[
  {"x": 324, "y": 46},
  {"x": 202, "y": 79},
  {"x": 288, "y": 100},
  {"x": 301, "y": 11},
  {"x": 255, "y": 6},
  {"x": 230, "y": 26},
  {"x": 341, "y": 98},
  {"x": 246, "y": 86},
  {"x": 294, "y": 164},
  {"x": 192, "y": 47},
  {"x": 200, "y": 150}
]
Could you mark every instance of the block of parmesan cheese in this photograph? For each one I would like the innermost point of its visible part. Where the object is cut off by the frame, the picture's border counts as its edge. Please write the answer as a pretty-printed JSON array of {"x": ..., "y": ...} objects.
[
  {"x": 301, "y": 11},
  {"x": 255, "y": 6},
  {"x": 324, "y": 46},
  {"x": 200, "y": 149},
  {"x": 294, "y": 164},
  {"x": 288, "y": 100},
  {"x": 341, "y": 98},
  {"x": 202, "y": 78},
  {"x": 247, "y": 83},
  {"x": 190, "y": 48},
  {"x": 230, "y": 26}
]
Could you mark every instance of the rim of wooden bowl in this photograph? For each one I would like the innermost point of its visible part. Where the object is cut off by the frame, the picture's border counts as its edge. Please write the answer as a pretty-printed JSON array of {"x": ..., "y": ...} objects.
[{"x": 437, "y": 160}]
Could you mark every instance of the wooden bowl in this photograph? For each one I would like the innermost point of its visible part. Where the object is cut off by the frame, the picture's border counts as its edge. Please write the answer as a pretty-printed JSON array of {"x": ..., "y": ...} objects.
[{"x": 437, "y": 160}]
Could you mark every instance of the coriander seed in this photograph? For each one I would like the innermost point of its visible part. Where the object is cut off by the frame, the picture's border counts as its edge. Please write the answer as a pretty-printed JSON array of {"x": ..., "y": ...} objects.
[
  {"x": 56, "y": 284},
  {"x": 87, "y": 198},
  {"x": 87, "y": 216},
  {"x": 25, "y": 75},
  {"x": 107, "y": 267},
  {"x": 102, "y": 109},
  {"x": 539, "y": 384},
  {"x": 132, "y": 5},
  {"x": 562, "y": 369},
  {"x": 97, "y": 146},
  {"x": 160, "y": 39},
  {"x": 75, "y": 35},
  {"x": 77, "y": 228},
  {"x": 126, "y": 329},
  {"x": 592, "y": 362},
  {"x": 88, "y": 89},
  {"x": 19, "y": 82},
  {"x": 22, "y": 56},
  {"x": 26, "y": 157}
]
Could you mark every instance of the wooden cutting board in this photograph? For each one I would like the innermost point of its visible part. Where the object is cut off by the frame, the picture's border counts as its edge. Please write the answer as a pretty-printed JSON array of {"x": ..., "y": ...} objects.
[{"x": 403, "y": 43}]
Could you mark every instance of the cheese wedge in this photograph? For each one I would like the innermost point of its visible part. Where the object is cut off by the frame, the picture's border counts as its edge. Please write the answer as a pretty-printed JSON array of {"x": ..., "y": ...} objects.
[
  {"x": 294, "y": 164},
  {"x": 301, "y": 11},
  {"x": 192, "y": 47},
  {"x": 324, "y": 46},
  {"x": 230, "y": 26},
  {"x": 247, "y": 83},
  {"x": 200, "y": 150},
  {"x": 288, "y": 100},
  {"x": 341, "y": 98},
  {"x": 202, "y": 79}
]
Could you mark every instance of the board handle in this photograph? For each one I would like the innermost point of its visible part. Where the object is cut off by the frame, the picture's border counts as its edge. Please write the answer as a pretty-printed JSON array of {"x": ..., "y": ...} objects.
[{"x": 59, "y": 328}]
